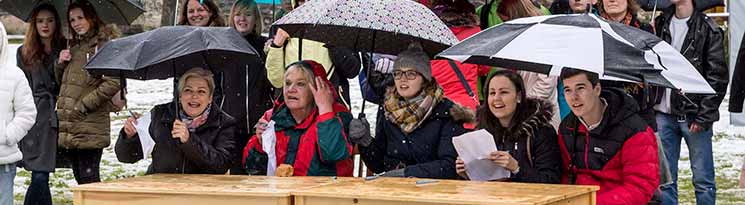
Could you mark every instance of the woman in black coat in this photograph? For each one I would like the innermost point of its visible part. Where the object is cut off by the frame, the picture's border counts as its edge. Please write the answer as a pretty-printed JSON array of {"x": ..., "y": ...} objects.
[
  {"x": 199, "y": 139},
  {"x": 527, "y": 143},
  {"x": 416, "y": 124},
  {"x": 246, "y": 92},
  {"x": 36, "y": 57}
]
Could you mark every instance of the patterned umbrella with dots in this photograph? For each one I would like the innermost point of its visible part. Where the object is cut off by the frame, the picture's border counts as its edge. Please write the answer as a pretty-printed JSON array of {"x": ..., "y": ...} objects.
[{"x": 381, "y": 26}]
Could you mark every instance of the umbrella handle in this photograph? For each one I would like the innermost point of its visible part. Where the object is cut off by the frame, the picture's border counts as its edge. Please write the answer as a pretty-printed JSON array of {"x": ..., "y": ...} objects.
[{"x": 368, "y": 72}]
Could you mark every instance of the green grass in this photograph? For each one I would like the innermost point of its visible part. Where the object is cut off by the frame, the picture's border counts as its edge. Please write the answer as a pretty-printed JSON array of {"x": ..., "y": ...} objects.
[{"x": 15, "y": 41}]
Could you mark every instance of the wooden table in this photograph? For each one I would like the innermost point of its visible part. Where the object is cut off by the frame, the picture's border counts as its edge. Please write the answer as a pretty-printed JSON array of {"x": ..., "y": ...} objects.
[
  {"x": 164, "y": 189},
  {"x": 405, "y": 191}
]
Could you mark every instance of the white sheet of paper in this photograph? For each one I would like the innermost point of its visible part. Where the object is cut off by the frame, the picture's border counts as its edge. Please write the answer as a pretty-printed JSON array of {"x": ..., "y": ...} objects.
[
  {"x": 474, "y": 149},
  {"x": 268, "y": 142},
  {"x": 143, "y": 131}
]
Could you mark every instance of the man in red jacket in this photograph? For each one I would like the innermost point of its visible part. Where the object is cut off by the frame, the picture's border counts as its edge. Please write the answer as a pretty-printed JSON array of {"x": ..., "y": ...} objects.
[{"x": 604, "y": 142}]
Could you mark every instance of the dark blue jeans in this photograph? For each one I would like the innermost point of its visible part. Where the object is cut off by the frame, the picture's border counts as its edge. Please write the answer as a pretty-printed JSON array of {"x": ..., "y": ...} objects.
[
  {"x": 672, "y": 131},
  {"x": 38, "y": 192}
]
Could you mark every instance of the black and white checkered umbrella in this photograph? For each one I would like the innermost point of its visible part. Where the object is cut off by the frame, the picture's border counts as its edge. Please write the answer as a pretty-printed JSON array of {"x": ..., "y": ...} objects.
[{"x": 547, "y": 44}]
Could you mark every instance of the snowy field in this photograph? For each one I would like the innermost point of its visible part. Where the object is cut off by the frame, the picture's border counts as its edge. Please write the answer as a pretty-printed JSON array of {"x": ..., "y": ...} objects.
[{"x": 729, "y": 149}]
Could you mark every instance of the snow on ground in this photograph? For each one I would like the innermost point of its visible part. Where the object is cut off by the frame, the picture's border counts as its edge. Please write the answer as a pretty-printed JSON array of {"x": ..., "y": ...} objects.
[{"x": 729, "y": 148}]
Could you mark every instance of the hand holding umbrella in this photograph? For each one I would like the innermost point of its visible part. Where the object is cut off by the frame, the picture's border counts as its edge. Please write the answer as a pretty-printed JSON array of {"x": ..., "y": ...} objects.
[
  {"x": 64, "y": 56},
  {"x": 180, "y": 131},
  {"x": 280, "y": 38}
]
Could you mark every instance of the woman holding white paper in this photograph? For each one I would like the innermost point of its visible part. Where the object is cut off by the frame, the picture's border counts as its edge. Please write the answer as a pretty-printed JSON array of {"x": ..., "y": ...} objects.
[
  {"x": 310, "y": 128},
  {"x": 196, "y": 140},
  {"x": 526, "y": 141}
]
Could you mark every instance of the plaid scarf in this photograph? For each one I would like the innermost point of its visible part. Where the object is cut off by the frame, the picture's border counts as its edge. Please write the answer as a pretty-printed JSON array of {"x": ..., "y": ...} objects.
[
  {"x": 626, "y": 20},
  {"x": 409, "y": 114},
  {"x": 193, "y": 123}
]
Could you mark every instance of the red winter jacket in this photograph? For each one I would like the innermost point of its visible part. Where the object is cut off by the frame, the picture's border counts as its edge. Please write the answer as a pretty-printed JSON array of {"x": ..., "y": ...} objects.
[
  {"x": 447, "y": 78},
  {"x": 321, "y": 149},
  {"x": 620, "y": 155}
]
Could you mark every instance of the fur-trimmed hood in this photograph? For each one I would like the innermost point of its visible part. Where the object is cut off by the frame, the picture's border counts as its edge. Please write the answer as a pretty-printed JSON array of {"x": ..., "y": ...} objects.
[
  {"x": 539, "y": 114},
  {"x": 462, "y": 114}
]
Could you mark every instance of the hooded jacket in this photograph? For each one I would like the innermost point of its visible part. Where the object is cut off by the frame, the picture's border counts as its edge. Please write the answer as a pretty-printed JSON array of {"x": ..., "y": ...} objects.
[
  {"x": 533, "y": 143},
  {"x": 620, "y": 155},
  {"x": 84, "y": 100},
  {"x": 17, "y": 108},
  {"x": 317, "y": 146}
]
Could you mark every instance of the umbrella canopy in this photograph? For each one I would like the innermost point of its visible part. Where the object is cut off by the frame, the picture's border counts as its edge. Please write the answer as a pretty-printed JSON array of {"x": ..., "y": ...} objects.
[
  {"x": 701, "y": 5},
  {"x": 121, "y": 12},
  {"x": 170, "y": 51},
  {"x": 580, "y": 41},
  {"x": 381, "y": 26}
]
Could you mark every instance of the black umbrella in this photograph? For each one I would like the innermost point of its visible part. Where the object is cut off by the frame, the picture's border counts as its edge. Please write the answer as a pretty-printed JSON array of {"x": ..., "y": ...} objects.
[
  {"x": 381, "y": 26},
  {"x": 701, "y": 5},
  {"x": 171, "y": 51},
  {"x": 121, "y": 12}
]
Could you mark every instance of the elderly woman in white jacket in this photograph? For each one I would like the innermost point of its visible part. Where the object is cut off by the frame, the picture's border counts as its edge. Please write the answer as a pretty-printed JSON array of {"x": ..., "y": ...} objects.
[{"x": 17, "y": 116}]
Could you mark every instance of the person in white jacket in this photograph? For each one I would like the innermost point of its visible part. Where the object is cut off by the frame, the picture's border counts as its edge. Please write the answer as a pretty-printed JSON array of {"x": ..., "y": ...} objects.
[{"x": 17, "y": 116}]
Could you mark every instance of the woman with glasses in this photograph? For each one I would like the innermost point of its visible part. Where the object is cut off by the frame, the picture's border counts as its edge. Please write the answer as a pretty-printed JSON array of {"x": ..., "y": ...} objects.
[{"x": 416, "y": 124}]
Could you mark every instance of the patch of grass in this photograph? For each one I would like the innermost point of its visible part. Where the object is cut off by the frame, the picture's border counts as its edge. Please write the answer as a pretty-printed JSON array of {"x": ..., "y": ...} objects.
[
  {"x": 23, "y": 173},
  {"x": 720, "y": 135},
  {"x": 15, "y": 41},
  {"x": 19, "y": 196}
]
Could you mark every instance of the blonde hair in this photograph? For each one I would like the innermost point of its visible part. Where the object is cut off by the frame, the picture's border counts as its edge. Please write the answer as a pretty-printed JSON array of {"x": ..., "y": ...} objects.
[
  {"x": 197, "y": 72},
  {"x": 304, "y": 68},
  {"x": 247, "y": 5}
]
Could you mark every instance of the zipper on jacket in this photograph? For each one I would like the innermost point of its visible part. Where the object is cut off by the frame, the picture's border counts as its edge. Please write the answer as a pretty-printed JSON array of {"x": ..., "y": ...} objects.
[
  {"x": 587, "y": 148},
  {"x": 688, "y": 47}
]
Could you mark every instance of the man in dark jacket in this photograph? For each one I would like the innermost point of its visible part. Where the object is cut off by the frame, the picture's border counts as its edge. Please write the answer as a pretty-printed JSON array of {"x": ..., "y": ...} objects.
[
  {"x": 687, "y": 116},
  {"x": 604, "y": 142}
]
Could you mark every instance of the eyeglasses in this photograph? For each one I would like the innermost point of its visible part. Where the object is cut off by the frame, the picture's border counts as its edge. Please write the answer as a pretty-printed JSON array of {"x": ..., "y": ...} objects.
[{"x": 410, "y": 74}]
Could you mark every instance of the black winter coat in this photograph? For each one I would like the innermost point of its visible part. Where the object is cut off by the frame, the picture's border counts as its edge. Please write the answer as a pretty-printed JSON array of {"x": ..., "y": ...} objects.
[
  {"x": 208, "y": 150},
  {"x": 39, "y": 146},
  {"x": 704, "y": 48},
  {"x": 245, "y": 95},
  {"x": 737, "y": 92},
  {"x": 427, "y": 152},
  {"x": 543, "y": 163}
]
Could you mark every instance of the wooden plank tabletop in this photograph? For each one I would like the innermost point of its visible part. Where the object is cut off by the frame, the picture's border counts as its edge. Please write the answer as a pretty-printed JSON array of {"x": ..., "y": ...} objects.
[
  {"x": 448, "y": 191},
  {"x": 226, "y": 185}
]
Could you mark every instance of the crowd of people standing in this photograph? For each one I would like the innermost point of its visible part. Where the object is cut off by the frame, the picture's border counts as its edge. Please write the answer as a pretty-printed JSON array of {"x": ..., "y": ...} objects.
[{"x": 570, "y": 129}]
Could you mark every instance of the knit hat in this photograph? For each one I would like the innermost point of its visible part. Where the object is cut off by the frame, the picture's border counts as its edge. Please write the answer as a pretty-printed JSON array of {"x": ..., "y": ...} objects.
[{"x": 414, "y": 57}]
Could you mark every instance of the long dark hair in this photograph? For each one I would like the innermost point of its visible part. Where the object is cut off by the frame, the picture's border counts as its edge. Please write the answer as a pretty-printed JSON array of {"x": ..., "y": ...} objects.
[
  {"x": 33, "y": 47},
  {"x": 487, "y": 120},
  {"x": 90, "y": 15},
  {"x": 215, "y": 19}
]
